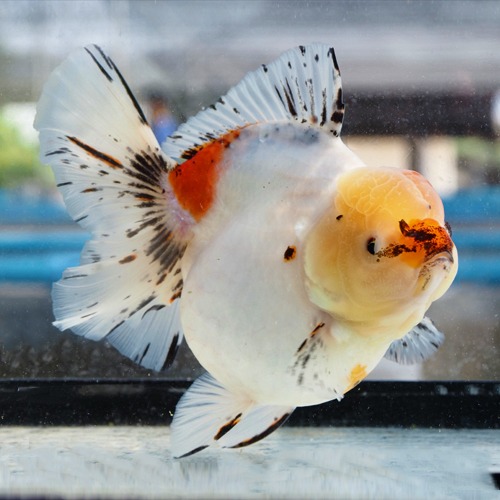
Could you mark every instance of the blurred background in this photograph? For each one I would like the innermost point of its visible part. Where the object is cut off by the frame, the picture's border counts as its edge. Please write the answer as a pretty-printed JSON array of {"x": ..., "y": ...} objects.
[{"x": 421, "y": 85}]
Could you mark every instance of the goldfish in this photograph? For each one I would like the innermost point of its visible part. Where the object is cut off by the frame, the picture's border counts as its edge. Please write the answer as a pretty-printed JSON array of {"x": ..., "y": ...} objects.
[{"x": 290, "y": 267}]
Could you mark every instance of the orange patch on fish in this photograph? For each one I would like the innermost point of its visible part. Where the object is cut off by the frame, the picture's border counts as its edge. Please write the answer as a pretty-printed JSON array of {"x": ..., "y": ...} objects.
[
  {"x": 358, "y": 373},
  {"x": 195, "y": 181}
]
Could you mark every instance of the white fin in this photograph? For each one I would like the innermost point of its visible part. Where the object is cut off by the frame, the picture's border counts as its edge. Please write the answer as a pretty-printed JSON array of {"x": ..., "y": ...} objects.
[
  {"x": 208, "y": 414},
  {"x": 417, "y": 345},
  {"x": 111, "y": 173},
  {"x": 302, "y": 85}
]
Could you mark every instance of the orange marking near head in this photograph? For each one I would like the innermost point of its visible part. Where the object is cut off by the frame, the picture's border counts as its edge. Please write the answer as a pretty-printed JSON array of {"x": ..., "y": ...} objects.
[
  {"x": 195, "y": 181},
  {"x": 358, "y": 373}
]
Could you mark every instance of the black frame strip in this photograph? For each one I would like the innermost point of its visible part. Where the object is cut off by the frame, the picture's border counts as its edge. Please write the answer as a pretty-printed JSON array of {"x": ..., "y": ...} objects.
[{"x": 73, "y": 402}]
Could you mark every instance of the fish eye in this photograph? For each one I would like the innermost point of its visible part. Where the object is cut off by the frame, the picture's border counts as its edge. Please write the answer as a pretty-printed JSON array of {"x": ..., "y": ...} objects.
[
  {"x": 448, "y": 228},
  {"x": 370, "y": 245}
]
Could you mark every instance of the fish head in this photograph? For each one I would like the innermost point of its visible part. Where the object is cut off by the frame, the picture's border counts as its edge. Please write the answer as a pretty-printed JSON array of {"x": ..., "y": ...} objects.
[{"x": 381, "y": 252}]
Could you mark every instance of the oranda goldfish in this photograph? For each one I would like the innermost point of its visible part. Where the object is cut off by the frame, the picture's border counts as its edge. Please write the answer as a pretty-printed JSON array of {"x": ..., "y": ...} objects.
[{"x": 290, "y": 267}]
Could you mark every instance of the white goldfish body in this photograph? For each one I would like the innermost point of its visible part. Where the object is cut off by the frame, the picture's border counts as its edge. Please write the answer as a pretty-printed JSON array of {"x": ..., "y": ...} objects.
[{"x": 290, "y": 267}]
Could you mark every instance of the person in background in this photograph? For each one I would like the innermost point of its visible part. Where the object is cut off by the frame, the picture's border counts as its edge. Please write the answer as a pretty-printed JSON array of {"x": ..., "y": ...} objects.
[{"x": 161, "y": 120}]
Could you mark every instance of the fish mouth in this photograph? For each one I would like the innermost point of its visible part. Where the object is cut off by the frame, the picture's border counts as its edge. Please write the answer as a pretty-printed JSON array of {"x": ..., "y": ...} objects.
[{"x": 444, "y": 257}]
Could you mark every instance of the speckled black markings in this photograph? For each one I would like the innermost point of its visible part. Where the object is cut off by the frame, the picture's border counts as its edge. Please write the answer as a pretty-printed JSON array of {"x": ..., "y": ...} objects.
[
  {"x": 146, "y": 349},
  {"x": 331, "y": 53},
  {"x": 157, "y": 307},
  {"x": 178, "y": 286},
  {"x": 161, "y": 279},
  {"x": 289, "y": 99},
  {"x": 304, "y": 362},
  {"x": 59, "y": 151},
  {"x": 111, "y": 66},
  {"x": 338, "y": 114},
  {"x": 163, "y": 250},
  {"x": 143, "y": 304},
  {"x": 323, "y": 109},
  {"x": 290, "y": 253},
  {"x": 277, "y": 423},
  {"x": 301, "y": 99},
  {"x": 74, "y": 276},
  {"x": 339, "y": 217},
  {"x": 192, "y": 452},
  {"x": 99, "y": 65},
  {"x": 128, "y": 259},
  {"x": 301, "y": 346},
  {"x": 192, "y": 151},
  {"x": 177, "y": 289},
  {"x": 174, "y": 346},
  {"x": 424, "y": 327},
  {"x": 279, "y": 95},
  {"x": 304, "y": 356},
  {"x": 317, "y": 328},
  {"x": 95, "y": 153},
  {"x": 89, "y": 315},
  {"x": 146, "y": 168},
  {"x": 227, "y": 427}
]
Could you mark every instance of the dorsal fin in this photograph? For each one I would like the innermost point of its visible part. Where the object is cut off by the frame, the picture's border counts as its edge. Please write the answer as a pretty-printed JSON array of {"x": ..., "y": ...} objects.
[{"x": 302, "y": 85}]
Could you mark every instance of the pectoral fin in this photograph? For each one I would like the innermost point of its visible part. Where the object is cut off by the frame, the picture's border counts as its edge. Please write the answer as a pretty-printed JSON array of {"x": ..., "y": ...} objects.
[{"x": 417, "y": 345}]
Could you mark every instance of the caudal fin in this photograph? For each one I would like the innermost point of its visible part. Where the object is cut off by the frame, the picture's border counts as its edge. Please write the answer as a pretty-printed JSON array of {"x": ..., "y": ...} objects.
[
  {"x": 210, "y": 415},
  {"x": 112, "y": 175}
]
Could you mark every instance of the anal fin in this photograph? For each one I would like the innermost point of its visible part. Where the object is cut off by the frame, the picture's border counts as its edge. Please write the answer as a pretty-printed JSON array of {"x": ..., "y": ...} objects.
[{"x": 210, "y": 415}]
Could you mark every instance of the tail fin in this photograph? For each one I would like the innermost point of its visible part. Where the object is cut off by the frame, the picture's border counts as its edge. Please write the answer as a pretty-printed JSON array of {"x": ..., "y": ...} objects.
[
  {"x": 210, "y": 415},
  {"x": 112, "y": 175}
]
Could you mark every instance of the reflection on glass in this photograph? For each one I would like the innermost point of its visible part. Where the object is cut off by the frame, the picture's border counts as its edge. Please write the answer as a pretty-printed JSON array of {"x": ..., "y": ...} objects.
[{"x": 399, "y": 67}]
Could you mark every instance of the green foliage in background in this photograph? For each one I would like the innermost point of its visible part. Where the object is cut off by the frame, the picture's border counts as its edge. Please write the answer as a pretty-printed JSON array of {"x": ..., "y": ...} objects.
[
  {"x": 480, "y": 158},
  {"x": 19, "y": 163},
  {"x": 479, "y": 150}
]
